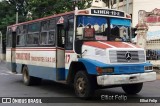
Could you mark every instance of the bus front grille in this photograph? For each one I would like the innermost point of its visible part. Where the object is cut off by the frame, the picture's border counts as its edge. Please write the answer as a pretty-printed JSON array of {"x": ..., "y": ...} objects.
[{"x": 126, "y": 56}]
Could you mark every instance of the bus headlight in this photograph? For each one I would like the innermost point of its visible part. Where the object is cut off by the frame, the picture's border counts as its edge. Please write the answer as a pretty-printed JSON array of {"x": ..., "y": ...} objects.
[
  {"x": 101, "y": 70},
  {"x": 148, "y": 68}
]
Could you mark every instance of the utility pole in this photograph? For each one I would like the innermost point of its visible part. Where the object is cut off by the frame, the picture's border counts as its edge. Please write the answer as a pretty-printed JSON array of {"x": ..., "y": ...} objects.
[
  {"x": 16, "y": 17},
  {"x": 17, "y": 13},
  {"x": 127, "y": 6},
  {"x": 1, "y": 46}
]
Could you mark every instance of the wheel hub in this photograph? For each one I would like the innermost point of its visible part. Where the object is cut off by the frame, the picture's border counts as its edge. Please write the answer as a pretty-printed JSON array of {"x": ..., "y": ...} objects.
[{"x": 81, "y": 85}]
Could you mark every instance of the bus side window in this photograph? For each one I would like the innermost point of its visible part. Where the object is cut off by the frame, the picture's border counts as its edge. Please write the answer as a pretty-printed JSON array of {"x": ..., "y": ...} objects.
[
  {"x": 43, "y": 38},
  {"x": 51, "y": 39},
  {"x": 33, "y": 38},
  {"x": 20, "y": 35},
  {"x": 36, "y": 38},
  {"x": 20, "y": 40}
]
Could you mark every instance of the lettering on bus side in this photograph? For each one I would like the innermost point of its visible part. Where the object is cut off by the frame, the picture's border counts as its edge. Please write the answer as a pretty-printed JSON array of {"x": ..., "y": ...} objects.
[
  {"x": 23, "y": 56},
  {"x": 27, "y": 56}
]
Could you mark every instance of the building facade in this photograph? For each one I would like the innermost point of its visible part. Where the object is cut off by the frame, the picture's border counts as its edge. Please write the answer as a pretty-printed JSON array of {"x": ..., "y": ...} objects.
[{"x": 133, "y": 6}]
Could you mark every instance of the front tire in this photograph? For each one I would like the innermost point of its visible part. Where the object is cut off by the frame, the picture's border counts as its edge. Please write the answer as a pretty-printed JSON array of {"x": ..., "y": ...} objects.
[
  {"x": 132, "y": 88},
  {"x": 83, "y": 86}
]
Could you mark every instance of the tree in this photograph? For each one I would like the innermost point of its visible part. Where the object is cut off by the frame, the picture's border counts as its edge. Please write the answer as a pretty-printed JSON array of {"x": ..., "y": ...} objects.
[
  {"x": 42, "y": 8},
  {"x": 8, "y": 10},
  {"x": 7, "y": 17},
  {"x": 21, "y": 7}
]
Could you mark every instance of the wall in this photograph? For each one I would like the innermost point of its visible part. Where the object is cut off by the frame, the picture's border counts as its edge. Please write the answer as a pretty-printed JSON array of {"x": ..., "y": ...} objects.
[
  {"x": 147, "y": 5},
  {"x": 135, "y": 6}
]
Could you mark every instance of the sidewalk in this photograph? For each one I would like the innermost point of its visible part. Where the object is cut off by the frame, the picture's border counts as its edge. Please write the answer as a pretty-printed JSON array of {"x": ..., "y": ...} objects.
[{"x": 158, "y": 76}]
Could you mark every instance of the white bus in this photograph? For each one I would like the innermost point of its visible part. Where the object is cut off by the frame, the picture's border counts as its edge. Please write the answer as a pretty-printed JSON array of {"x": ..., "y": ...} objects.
[{"x": 88, "y": 48}]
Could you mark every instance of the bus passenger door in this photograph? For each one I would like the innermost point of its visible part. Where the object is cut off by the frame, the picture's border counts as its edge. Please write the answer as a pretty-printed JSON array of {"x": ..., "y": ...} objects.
[
  {"x": 60, "y": 64},
  {"x": 13, "y": 52}
]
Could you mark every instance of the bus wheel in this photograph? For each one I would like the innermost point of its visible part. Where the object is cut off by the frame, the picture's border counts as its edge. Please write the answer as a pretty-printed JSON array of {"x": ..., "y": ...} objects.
[
  {"x": 29, "y": 80},
  {"x": 26, "y": 77},
  {"x": 82, "y": 85},
  {"x": 132, "y": 88}
]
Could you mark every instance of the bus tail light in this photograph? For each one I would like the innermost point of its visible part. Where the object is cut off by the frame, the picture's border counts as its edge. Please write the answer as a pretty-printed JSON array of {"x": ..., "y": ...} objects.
[{"x": 105, "y": 70}]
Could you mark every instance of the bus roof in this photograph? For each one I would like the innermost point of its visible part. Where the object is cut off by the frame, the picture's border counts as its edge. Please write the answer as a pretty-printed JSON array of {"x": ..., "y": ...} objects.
[
  {"x": 40, "y": 19},
  {"x": 91, "y": 11}
]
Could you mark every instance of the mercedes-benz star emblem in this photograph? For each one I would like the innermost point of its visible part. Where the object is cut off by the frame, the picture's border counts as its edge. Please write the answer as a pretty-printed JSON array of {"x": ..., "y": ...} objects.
[{"x": 128, "y": 56}]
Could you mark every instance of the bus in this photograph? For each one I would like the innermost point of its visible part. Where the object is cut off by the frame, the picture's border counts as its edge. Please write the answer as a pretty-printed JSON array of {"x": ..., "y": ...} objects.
[{"x": 89, "y": 49}]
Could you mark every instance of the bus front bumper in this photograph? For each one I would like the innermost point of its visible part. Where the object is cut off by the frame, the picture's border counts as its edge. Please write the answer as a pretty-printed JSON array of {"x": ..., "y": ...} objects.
[{"x": 107, "y": 80}]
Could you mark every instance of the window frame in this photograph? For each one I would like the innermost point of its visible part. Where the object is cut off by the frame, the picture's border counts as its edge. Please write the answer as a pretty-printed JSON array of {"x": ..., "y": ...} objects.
[
  {"x": 67, "y": 46},
  {"x": 9, "y": 37},
  {"x": 32, "y": 35},
  {"x": 24, "y": 28},
  {"x": 48, "y": 30}
]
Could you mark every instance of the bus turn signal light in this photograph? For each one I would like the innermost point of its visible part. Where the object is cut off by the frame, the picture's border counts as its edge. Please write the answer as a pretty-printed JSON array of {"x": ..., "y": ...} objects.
[{"x": 105, "y": 70}]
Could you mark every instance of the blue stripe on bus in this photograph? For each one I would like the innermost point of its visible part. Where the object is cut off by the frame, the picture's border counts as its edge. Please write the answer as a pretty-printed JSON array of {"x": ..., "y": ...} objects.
[
  {"x": 66, "y": 73},
  {"x": 49, "y": 73},
  {"x": 118, "y": 68}
]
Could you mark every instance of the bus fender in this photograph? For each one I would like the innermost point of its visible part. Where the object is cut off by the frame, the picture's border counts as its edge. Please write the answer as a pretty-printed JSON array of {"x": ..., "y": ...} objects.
[{"x": 91, "y": 65}]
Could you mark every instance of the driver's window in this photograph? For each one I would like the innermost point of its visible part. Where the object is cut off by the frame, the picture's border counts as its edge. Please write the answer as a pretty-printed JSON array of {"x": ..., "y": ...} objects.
[
  {"x": 120, "y": 29},
  {"x": 124, "y": 34},
  {"x": 115, "y": 31}
]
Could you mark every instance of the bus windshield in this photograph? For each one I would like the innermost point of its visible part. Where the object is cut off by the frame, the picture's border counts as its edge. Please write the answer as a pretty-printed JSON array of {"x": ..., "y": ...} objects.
[{"x": 102, "y": 28}]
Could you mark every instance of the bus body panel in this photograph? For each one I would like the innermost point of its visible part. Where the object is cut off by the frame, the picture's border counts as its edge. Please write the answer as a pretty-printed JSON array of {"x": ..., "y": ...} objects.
[
  {"x": 38, "y": 63},
  {"x": 10, "y": 59},
  {"x": 70, "y": 56},
  {"x": 60, "y": 62},
  {"x": 91, "y": 66}
]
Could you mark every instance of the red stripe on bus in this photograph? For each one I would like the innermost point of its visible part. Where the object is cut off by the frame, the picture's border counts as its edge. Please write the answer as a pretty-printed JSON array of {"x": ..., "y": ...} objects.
[
  {"x": 97, "y": 44},
  {"x": 119, "y": 44},
  {"x": 136, "y": 46},
  {"x": 35, "y": 49},
  {"x": 69, "y": 51}
]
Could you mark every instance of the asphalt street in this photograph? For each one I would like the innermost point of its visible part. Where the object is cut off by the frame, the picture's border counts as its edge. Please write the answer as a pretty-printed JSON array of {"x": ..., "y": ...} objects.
[{"x": 11, "y": 85}]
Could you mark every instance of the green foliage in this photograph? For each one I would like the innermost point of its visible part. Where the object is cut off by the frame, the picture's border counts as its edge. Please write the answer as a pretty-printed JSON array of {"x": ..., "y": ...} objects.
[
  {"x": 38, "y": 8},
  {"x": 42, "y": 8},
  {"x": 7, "y": 17},
  {"x": 8, "y": 13}
]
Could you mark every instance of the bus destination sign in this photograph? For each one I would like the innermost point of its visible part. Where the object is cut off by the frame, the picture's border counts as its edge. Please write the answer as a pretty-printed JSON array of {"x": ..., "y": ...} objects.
[{"x": 107, "y": 12}]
